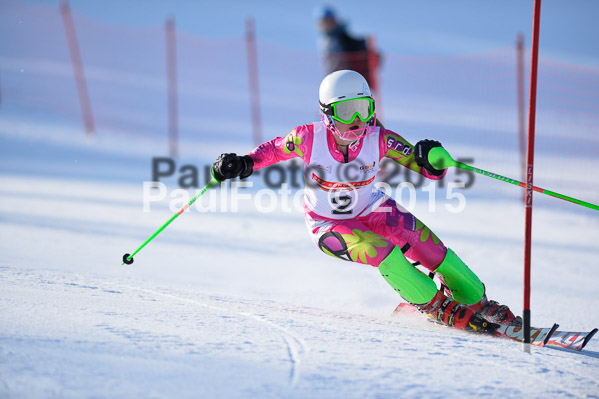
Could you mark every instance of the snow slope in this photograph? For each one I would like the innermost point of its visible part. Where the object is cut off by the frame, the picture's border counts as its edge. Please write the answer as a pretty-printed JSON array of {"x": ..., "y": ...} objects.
[{"x": 241, "y": 304}]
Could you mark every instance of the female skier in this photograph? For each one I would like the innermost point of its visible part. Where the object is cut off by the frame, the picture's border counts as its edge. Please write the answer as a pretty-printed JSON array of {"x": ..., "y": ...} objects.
[{"x": 350, "y": 219}]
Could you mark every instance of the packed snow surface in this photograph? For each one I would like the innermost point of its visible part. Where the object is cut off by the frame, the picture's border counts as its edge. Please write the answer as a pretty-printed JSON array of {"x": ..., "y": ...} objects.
[{"x": 242, "y": 304}]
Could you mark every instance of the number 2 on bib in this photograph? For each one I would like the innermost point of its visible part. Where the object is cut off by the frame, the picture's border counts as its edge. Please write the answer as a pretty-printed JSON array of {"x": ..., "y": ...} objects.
[{"x": 341, "y": 204}]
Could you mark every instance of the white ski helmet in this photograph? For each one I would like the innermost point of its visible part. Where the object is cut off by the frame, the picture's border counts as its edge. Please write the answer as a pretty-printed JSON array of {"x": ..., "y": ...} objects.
[{"x": 342, "y": 86}]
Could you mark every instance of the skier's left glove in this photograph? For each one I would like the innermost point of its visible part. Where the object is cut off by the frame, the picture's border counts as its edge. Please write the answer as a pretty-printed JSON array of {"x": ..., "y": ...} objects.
[
  {"x": 230, "y": 166},
  {"x": 421, "y": 151}
]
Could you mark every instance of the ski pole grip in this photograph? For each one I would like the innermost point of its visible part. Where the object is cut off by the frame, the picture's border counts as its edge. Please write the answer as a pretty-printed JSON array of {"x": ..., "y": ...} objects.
[{"x": 440, "y": 159}]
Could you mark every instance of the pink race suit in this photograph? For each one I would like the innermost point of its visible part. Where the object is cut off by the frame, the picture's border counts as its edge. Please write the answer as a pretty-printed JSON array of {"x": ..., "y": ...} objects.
[{"x": 347, "y": 216}]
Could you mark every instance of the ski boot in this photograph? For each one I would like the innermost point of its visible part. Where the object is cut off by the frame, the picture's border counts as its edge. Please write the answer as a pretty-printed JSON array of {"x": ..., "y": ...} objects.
[
  {"x": 496, "y": 313},
  {"x": 451, "y": 313}
]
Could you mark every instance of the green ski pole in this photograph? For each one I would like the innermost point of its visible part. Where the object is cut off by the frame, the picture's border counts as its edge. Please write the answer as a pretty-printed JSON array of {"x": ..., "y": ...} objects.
[
  {"x": 440, "y": 159},
  {"x": 128, "y": 258}
]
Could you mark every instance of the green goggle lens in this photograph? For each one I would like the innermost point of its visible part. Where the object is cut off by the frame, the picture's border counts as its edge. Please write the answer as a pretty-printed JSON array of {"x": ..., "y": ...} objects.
[{"x": 346, "y": 111}]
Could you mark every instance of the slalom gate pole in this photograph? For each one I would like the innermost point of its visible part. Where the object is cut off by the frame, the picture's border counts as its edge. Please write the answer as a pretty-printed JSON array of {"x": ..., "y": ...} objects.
[
  {"x": 128, "y": 258},
  {"x": 529, "y": 172},
  {"x": 440, "y": 159}
]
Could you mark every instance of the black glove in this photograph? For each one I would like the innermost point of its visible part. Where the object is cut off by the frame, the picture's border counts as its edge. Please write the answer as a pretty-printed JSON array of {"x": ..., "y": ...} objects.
[
  {"x": 229, "y": 166},
  {"x": 421, "y": 151}
]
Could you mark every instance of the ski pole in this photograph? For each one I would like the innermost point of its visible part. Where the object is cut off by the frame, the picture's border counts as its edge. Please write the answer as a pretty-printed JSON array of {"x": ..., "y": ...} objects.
[
  {"x": 128, "y": 258},
  {"x": 440, "y": 159}
]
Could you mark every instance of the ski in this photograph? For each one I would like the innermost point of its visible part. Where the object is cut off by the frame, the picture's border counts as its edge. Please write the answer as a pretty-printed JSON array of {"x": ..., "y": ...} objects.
[
  {"x": 571, "y": 340},
  {"x": 551, "y": 337},
  {"x": 538, "y": 336}
]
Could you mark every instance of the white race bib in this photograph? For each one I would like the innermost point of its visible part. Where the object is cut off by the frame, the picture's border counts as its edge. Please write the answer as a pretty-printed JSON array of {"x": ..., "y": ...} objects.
[{"x": 339, "y": 190}]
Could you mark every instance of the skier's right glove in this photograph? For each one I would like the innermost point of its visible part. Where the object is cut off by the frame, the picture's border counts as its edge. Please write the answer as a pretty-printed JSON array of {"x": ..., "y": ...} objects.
[{"x": 230, "y": 166}]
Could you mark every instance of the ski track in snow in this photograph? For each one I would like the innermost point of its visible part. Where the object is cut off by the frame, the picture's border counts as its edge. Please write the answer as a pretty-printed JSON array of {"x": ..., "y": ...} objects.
[
  {"x": 295, "y": 345},
  {"x": 74, "y": 285},
  {"x": 89, "y": 313}
]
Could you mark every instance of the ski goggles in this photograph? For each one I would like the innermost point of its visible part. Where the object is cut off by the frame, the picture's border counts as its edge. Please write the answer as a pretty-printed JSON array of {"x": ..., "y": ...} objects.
[{"x": 345, "y": 111}]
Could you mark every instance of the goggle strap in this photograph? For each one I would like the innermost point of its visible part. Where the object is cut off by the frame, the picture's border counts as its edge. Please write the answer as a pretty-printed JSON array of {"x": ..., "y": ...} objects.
[{"x": 326, "y": 109}]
